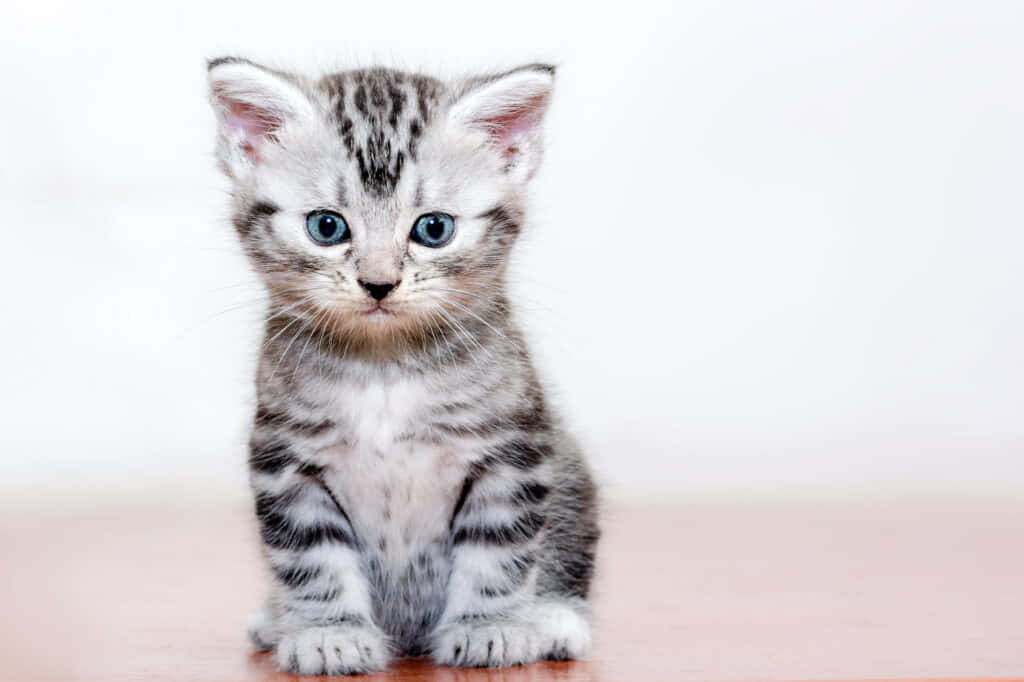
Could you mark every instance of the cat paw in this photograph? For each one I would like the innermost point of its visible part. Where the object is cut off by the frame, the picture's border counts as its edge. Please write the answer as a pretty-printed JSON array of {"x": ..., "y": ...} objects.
[
  {"x": 543, "y": 632},
  {"x": 333, "y": 650},
  {"x": 491, "y": 644},
  {"x": 263, "y": 634},
  {"x": 565, "y": 634}
]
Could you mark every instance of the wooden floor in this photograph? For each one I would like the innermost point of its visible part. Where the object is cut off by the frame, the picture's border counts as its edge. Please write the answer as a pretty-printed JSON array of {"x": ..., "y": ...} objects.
[{"x": 705, "y": 591}]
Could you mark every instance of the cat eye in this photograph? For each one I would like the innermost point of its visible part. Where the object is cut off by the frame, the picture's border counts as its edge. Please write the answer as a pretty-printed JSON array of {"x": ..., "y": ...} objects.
[
  {"x": 433, "y": 229},
  {"x": 327, "y": 228}
]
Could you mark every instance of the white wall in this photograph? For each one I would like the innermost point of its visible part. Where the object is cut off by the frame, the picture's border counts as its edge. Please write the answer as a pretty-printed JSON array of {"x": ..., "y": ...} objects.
[{"x": 776, "y": 245}]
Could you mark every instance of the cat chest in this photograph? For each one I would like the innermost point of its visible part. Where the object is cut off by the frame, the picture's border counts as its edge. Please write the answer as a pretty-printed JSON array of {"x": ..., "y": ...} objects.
[
  {"x": 398, "y": 488},
  {"x": 400, "y": 497}
]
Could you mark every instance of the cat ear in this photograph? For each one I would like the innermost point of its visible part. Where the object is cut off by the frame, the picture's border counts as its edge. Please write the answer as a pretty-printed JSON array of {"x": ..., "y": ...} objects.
[
  {"x": 252, "y": 104},
  {"x": 508, "y": 109}
]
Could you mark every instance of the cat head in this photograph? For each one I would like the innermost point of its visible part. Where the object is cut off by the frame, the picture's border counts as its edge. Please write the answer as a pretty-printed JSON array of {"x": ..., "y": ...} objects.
[{"x": 376, "y": 204}]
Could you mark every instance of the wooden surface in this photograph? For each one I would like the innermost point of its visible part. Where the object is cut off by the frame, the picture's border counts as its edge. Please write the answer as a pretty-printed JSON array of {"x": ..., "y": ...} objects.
[{"x": 709, "y": 591}]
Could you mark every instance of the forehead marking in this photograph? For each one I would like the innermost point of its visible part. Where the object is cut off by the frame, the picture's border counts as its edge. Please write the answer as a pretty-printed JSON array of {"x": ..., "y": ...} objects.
[{"x": 379, "y": 132}]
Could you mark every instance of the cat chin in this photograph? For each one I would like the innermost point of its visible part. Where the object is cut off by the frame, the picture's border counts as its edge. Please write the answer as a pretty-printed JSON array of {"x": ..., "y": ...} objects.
[
  {"x": 378, "y": 321},
  {"x": 378, "y": 334}
]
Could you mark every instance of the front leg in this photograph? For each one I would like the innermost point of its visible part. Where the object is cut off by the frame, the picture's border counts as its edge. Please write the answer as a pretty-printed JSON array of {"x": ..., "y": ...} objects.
[
  {"x": 319, "y": 616},
  {"x": 494, "y": 615}
]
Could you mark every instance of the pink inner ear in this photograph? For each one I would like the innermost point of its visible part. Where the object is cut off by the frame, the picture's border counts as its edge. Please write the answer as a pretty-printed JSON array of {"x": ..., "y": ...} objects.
[
  {"x": 256, "y": 125},
  {"x": 508, "y": 128}
]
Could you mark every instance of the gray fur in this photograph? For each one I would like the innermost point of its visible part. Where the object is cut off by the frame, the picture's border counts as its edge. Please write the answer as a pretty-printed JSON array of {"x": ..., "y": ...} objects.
[{"x": 415, "y": 492}]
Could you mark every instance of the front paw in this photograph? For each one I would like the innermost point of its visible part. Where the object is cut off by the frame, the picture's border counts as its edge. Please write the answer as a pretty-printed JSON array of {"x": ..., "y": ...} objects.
[
  {"x": 552, "y": 631},
  {"x": 333, "y": 650},
  {"x": 262, "y": 631},
  {"x": 491, "y": 644}
]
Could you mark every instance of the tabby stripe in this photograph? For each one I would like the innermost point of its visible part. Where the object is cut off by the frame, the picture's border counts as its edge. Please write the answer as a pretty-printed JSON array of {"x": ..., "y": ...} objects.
[
  {"x": 310, "y": 469},
  {"x": 272, "y": 418},
  {"x": 521, "y": 454},
  {"x": 325, "y": 596},
  {"x": 530, "y": 419},
  {"x": 467, "y": 485},
  {"x": 244, "y": 222},
  {"x": 282, "y": 532},
  {"x": 521, "y": 530},
  {"x": 270, "y": 457},
  {"x": 501, "y": 220},
  {"x": 481, "y": 430},
  {"x": 531, "y": 492},
  {"x": 296, "y": 576},
  {"x": 267, "y": 503}
]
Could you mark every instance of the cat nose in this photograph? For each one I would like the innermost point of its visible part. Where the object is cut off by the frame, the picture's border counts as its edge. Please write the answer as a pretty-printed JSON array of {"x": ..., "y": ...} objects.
[{"x": 378, "y": 289}]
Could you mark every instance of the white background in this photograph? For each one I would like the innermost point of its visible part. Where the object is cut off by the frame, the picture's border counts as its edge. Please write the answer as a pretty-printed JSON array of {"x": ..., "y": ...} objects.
[{"x": 775, "y": 248}]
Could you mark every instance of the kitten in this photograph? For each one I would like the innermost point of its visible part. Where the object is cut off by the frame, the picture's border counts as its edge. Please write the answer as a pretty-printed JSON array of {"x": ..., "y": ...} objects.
[{"x": 415, "y": 493}]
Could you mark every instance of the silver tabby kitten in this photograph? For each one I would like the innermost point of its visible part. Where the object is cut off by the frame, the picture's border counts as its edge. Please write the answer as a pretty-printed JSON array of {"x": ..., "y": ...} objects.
[{"x": 415, "y": 493}]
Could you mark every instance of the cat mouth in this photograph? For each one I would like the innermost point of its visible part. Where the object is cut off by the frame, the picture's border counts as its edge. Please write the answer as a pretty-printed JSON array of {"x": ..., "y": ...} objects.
[{"x": 377, "y": 310}]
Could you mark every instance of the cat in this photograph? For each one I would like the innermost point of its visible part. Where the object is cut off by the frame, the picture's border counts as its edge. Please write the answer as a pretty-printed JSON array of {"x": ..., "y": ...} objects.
[{"x": 415, "y": 492}]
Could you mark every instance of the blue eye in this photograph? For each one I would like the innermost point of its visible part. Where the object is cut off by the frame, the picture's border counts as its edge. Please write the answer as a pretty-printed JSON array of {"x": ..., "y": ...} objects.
[
  {"x": 433, "y": 229},
  {"x": 327, "y": 228}
]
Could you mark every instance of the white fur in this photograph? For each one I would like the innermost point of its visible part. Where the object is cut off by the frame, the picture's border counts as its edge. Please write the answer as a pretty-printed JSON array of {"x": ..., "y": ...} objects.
[
  {"x": 266, "y": 95},
  {"x": 377, "y": 475},
  {"x": 543, "y": 630},
  {"x": 333, "y": 650},
  {"x": 523, "y": 96}
]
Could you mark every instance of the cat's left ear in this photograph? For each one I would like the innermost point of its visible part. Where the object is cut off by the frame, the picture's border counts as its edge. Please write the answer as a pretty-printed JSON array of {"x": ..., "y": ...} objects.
[
  {"x": 508, "y": 110},
  {"x": 253, "y": 105}
]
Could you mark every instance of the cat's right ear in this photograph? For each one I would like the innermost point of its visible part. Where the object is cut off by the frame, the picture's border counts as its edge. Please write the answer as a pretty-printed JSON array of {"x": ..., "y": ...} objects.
[{"x": 253, "y": 104}]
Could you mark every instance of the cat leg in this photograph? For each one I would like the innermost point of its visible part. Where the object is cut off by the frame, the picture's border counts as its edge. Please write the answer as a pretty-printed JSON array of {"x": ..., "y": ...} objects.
[
  {"x": 321, "y": 620},
  {"x": 493, "y": 616}
]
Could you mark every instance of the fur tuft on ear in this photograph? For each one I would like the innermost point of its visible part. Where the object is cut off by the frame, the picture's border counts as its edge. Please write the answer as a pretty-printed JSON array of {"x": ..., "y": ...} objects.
[
  {"x": 252, "y": 104},
  {"x": 508, "y": 109}
]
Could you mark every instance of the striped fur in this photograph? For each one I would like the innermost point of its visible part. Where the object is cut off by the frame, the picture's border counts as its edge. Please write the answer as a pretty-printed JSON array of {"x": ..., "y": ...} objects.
[{"x": 415, "y": 493}]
